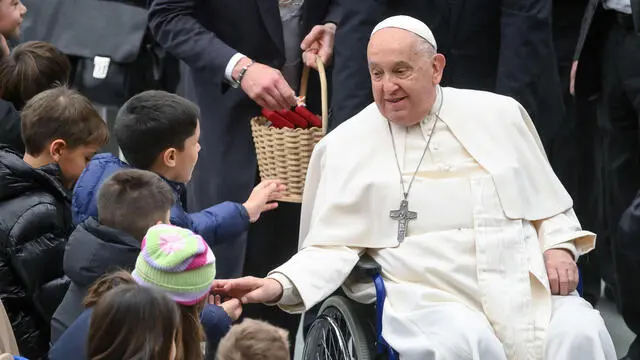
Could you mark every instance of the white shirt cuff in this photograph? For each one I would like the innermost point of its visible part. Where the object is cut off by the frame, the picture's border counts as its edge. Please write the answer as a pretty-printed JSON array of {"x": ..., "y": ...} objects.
[
  {"x": 290, "y": 294},
  {"x": 228, "y": 71},
  {"x": 569, "y": 246}
]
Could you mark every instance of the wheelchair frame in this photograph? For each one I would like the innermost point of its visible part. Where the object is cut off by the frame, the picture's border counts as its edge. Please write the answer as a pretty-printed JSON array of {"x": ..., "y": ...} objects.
[{"x": 350, "y": 311}]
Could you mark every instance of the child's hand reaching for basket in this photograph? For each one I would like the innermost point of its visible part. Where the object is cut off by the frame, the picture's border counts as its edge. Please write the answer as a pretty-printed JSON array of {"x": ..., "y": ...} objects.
[{"x": 263, "y": 198}]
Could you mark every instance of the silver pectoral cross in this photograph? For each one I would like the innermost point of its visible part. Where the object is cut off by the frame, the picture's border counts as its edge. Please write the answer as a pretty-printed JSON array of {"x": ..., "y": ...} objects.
[{"x": 403, "y": 216}]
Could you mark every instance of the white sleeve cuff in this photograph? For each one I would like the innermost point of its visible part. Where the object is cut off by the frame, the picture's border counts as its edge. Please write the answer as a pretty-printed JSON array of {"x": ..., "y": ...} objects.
[
  {"x": 290, "y": 294},
  {"x": 569, "y": 246},
  {"x": 228, "y": 71}
]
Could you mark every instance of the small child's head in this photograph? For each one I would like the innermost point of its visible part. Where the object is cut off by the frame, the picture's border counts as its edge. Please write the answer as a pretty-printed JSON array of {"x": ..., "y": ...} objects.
[
  {"x": 133, "y": 200},
  {"x": 104, "y": 284},
  {"x": 61, "y": 126},
  {"x": 30, "y": 69},
  {"x": 11, "y": 14},
  {"x": 254, "y": 339},
  {"x": 159, "y": 131},
  {"x": 180, "y": 263},
  {"x": 133, "y": 322}
]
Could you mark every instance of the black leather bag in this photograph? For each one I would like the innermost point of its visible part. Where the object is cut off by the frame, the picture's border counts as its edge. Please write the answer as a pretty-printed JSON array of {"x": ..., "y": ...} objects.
[{"x": 112, "y": 52}]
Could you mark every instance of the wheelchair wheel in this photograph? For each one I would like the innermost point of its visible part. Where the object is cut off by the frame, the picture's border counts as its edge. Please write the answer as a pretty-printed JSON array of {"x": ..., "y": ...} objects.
[{"x": 340, "y": 333}]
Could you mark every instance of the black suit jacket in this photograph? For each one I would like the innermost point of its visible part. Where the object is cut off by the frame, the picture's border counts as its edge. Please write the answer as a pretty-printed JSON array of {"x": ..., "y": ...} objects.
[
  {"x": 595, "y": 24},
  {"x": 503, "y": 46},
  {"x": 205, "y": 34}
]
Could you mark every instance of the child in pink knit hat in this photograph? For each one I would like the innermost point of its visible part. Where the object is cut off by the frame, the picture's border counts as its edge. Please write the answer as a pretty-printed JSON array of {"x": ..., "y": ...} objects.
[{"x": 181, "y": 264}]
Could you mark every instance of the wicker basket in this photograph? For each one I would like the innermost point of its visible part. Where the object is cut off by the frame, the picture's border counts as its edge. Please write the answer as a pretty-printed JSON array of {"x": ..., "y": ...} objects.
[{"x": 284, "y": 153}]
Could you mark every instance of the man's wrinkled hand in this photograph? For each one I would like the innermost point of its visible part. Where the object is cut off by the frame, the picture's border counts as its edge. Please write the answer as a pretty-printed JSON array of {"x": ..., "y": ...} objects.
[
  {"x": 265, "y": 85},
  {"x": 318, "y": 43},
  {"x": 249, "y": 289},
  {"x": 561, "y": 270}
]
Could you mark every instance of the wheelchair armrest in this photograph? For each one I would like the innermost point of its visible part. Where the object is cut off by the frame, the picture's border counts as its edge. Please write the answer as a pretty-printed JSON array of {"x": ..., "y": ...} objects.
[{"x": 366, "y": 267}]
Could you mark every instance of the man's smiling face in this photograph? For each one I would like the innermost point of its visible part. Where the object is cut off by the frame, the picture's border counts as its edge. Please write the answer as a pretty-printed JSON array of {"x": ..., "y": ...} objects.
[{"x": 404, "y": 74}]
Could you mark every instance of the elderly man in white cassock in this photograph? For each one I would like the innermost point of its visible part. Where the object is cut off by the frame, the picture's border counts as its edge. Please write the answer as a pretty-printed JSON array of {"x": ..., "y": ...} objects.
[{"x": 451, "y": 193}]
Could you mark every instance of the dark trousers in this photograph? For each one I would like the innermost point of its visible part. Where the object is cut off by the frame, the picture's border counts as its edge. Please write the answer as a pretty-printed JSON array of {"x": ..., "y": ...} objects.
[
  {"x": 271, "y": 242},
  {"x": 619, "y": 124},
  {"x": 573, "y": 152}
]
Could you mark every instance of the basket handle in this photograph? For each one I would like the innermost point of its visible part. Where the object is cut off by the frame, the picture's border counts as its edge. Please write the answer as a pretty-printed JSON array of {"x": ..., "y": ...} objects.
[{"x": 323, "y": 90}]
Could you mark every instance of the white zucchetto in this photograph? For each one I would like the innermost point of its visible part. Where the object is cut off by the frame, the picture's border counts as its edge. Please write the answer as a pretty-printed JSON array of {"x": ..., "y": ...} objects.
[{"x": 409, "y": 24}]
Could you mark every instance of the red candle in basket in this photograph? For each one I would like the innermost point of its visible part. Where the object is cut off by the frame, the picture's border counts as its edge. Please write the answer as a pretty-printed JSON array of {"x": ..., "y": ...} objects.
[
  {"x": 294, "y": 118},
  {"x": 277, "y": 120},
  {"x": 313, "y": 120}
]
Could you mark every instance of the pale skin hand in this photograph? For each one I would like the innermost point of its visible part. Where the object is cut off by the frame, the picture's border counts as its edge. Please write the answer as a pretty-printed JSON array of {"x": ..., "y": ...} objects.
[
  {"x": 249, "y": 289},
  {"x": 572, "y": 78},
  {"x": 561, "y": 270},
  {"x": 233, "y": 307},
  {"x": 265, "y": 85},
  {"x": 262, "y": 198},
  {"x": 318, "y": 43}
]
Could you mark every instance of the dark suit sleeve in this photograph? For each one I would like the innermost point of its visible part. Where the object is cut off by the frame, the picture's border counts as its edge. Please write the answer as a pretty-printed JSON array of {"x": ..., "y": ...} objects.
[
  {"x": 584, "y": 27},
  {"x": 334, "y": 14},
  {"x": 174, "y": 25},
  {"x": 352, "y": 86},
  {"x": 526, "y": 46}
]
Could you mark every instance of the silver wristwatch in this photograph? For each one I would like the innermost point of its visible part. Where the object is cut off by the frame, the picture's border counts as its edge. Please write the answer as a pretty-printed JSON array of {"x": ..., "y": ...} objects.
[{"x": 243, "y": 71}]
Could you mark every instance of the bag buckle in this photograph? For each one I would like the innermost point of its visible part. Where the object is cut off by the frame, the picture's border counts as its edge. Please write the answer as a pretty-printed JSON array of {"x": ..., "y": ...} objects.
[{"x": 100, "y": 67}]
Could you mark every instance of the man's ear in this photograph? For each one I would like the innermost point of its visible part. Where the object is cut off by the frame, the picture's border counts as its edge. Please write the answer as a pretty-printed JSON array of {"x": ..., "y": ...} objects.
[
  {"x": 57, "y": 149},
  {"x": 169, "y": 157},
  {"x": 439, "y": 62}
]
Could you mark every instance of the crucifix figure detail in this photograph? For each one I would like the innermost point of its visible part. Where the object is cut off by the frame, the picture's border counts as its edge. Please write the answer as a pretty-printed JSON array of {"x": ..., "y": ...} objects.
[{"x": 403, "y": 216}]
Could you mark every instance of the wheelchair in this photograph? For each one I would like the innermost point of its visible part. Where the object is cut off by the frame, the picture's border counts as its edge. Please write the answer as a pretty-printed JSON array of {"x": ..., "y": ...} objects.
[{"x": 344, "y": 329}]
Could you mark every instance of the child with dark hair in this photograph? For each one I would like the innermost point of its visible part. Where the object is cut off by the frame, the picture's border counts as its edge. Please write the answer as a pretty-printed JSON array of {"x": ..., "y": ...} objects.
[
  {"x": 129, "y": 203},
  {"x": 181, "y": 263},
  {"x": 133, "y": 322},
  {"x": 61, "y": 132},
  {"x": 30, "y": 69},
  {"x": 160, "y": 132},
  {"x": 11, "y": 14},
  {"x": 73, "y": 343}
]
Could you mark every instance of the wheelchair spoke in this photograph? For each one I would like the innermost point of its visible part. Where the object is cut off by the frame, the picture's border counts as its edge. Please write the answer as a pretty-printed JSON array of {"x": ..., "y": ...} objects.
[{"x": 331, "y": 336}]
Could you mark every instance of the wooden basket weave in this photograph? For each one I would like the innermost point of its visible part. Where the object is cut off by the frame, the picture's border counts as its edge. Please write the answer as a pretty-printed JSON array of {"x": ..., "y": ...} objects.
[{"x": 284, "y": 153}]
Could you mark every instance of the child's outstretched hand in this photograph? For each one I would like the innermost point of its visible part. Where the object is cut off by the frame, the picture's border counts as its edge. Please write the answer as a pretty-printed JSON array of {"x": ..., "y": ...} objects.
[
  {"x": 262, "y": 198},
  {"x": 233, "y": 307}
]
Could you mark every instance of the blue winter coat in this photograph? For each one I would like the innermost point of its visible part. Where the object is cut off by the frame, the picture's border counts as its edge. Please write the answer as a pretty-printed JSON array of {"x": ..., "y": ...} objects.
[{"x": 215, "y": 224}]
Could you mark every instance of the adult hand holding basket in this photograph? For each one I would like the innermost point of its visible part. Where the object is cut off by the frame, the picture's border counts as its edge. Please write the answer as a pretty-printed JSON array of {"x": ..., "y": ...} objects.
[{"x": 284, "y": 153}]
